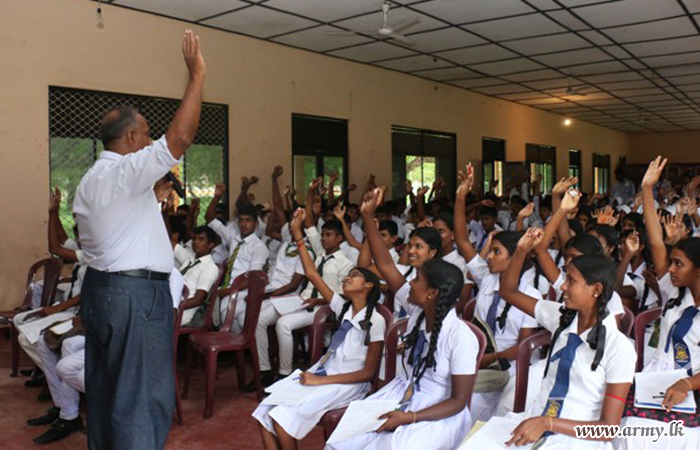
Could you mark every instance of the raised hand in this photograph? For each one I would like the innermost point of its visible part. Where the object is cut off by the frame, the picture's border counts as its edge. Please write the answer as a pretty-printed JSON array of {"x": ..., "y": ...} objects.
[
  {"x": 565, "y": 183},
  {"x": 570, "y": 200},
  {"x": 422, "y": 191},
  {"x": 192, "y": 53},
  {"x": 315, "y": 184},
  {"x": 527, "y": 210},
  {"x": 351, "y": 187},
  {"x": 55, "y": 200},
  {"x": 333, "y": 178},
  {"x": 163, "y": 188},
  {"x": 287, "y": 190},
  {"x": 632, "y": 243},
  {"x": 339, "y": 212},
  {"x": 298, "y": 219},
  {"x": 277, "y": 172},
  {"x": 654, "y": 171},
  {"x": 530, "y": 239},
  {"x": 370, "y": 203},
  {"x": 409, "y": 187},
  {"x": 219, "y": 190},
  {"x": 606, "y": 216},
  {"x": 466, "y": 181},
  {"x": 674, "y": 228}
]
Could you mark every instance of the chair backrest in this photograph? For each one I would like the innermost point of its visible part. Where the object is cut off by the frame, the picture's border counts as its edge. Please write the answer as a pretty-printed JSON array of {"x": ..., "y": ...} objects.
[
  {"x": 522, "y": 371},
  {"x": 388, "y": 316},
  {"x": 390, "y": 342},
  {"x": 481, "y": 337},
  {"x": 640, "y": 324},
  {"x": 211, "y": 299},
  {"x": 318, "y": 328},
  {"x": 552, "y": 294},
  {"x": 468, "y": 312},
  {"x": 52, "y": 274},
  {"x": 627, "y": 322},
  {"x": 178, "y": 315},
  {"x": 389, "y": 301},
  {"x": 257, "y": 280},
  {"x": 227, "y": 322}
]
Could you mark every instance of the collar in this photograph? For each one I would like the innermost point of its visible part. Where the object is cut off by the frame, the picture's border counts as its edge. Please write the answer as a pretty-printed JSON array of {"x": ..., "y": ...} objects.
[
  {"x": 205, "y": 258},
  {"x": 112, "y": 156},
  {"x": 609, "y": 323},
  {"x": 250, "y": 238},
  {"x": 334, "y": 254},
  {"x": 359, "y": 317},
  {"x": 447, "y": 322}
]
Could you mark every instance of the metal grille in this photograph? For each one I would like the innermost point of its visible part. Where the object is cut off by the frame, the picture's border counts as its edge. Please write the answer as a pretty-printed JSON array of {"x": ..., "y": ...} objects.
[
  {"x": 74, "y": 118},
  {"x": 421, "y": 156}
]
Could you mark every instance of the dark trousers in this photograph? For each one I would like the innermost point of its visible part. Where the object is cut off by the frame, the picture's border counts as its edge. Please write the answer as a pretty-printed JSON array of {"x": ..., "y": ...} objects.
[{"x": 129, "y": 380}]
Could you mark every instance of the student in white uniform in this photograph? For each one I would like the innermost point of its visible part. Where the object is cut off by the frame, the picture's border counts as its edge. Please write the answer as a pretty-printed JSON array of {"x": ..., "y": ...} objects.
[
  {"x": 509, "y": 326},
  {"x": 679, "y": 330},
  {"x": 440, "y": 358},
  {"x": 200, "y": 274},
  {"x": 345, "y": 372},
  {"x": 590, "y": 364},
  {"x": 444, "y": 223}
]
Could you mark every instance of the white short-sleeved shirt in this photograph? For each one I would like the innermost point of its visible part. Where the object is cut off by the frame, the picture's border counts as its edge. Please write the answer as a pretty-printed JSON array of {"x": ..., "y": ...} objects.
[
  {"x": 401, "y": 296},
  {"x": 615, "y": 303},
  {"x": 287, "y": 264},
  {"x": 201, "y": 276},
  {"x": 456, "y": 259},
  {"x": 350, "y": 252},
  {"x": 183, "y": 254},
  {"x": 352, "y": 353},
  {"x": 176, "y": 283},
  {"x": 637, "y": 277},
  {"x": 115, "y": 207},
  {"x": 489, "y": 283},
  {"x": 356, "y": 231},
  {"x": 543, "y": 284},
  {"x": 661, "y": 359},
  {"x": 335, "y": 268},
  {"x": 584, "y": 399},
  {"x": 252, "y": 254},
  {"x": 394, "y": 255}
]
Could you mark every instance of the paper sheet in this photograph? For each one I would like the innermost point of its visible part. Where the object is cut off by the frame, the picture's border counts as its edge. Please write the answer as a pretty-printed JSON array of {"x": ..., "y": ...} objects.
[
  {"x": 32, "y": 330},
  {"x": 492, "y": 435},
  {"x": 284, "y": 382},
  {"x": 288, "y": 392},
  {"x": 654, "y": 384},
  {"x": 287, "y": 304},
  {"x": 361, "y": 417},
  {"x": 63, "y": 327}
]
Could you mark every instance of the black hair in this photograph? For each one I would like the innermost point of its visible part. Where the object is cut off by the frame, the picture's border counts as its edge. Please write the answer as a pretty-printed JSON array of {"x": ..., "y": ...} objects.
[
  {"x": 382, "y": 209},
  {"x": 691, "y": 249},
  {"x": 585, "y": 210},
  {"x": 333, "y": 225},
  {"x": 447, "y": 218},
  {"x": 389, "y": 226},
  {"x": 113, "y": 129},
  {"x": 519, "y": 200},
  {"x": 489, "y": 211},
  {"x": 585, "y": 244},
  {"x": 510, "y": 239},
  {"x": 247, "y": 210},
  {"x": 177, "y": 225},
  {"x": 576, "y": 226},
  {"x": 184, "y": 207},
  {"x": 430, "y": 236},
  {"x": 637, "y": 219},
  {"x": 372, "y": 299},
  {"x": 203, "y": 229},
  {"x": 448, "y": 279},
  {"x": 546, "y": 203},
  {"x": 595, "y": 269},
  {"x": 611, "y": 236}
]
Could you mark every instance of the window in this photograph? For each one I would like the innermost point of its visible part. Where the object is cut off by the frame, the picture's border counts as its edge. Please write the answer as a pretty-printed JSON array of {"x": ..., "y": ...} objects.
[
  {"x": 542, "y": 160},
  {"x": 601, "y": 172},
  {"x": 74, "y": 145},
  {"x": 421, "y": 157},
  {"x": 575, "y": 165},
  {"x": 493, "y": 155},
  {"x": 319, "y": 148}
]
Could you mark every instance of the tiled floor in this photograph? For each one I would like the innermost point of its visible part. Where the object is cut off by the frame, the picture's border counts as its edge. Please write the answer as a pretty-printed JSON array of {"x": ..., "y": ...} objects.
[{"x": 232, "y": 427}]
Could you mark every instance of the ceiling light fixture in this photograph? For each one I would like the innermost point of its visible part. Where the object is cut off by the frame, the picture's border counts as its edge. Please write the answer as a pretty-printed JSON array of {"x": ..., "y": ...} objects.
[
  {"x": 100, "y": 23},
  {"x": 567, "y": 122}
]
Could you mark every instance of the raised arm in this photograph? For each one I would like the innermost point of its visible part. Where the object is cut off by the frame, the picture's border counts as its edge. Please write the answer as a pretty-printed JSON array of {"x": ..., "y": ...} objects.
[
  {"x": 382, "y": 259},
  {"x": 309, "y": 267},
  {"x": 55, "y": 246},
  {"x": 192, "y": 216},
  {"x": 183, "y": 128},
  {"x": 339, "y": 213},
  {"x": 549, "y": 267},
  {"x": 511, "y": 278},
  {"x": 524, "y": 214},
  {"x": 420, "y": 202},
  {"x": 277, "y": 202},
  {"x": 243, "y": 198},
  {"x": 461, "y": 232},
  {"x": 310, "y": 220},
  {"x": 632, "y": 247},
  {"x": 60, "y": 231},
  {"x": 219, "y": 190},
  {"x": 331, "y": 195},
  {"x": 659, "y": 255}
]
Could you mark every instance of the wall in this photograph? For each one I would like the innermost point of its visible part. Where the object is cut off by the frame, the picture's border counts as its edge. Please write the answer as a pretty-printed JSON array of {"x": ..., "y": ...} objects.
[
  {"x": 50, "y": 42},
  {"x": 679, "y": 147}
]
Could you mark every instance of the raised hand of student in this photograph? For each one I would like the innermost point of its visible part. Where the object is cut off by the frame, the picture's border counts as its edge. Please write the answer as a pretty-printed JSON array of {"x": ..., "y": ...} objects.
[
  {"x": 529, "y": 430},
  {"x": 527, "y": 210},
  {"x": 632, "y": 244},
  {"x": 422, "y": 191},
  {"x": 394, "y": 420},
  {"x": 606, "y": 216},
  {"x": 219, "y": 190},
  {"x": 55, "y": 200},
  {"x": 351, "y": 187},
  {"x": 297, "y": 223},
  {"x": 674, "y": 228},
  {"x": 277, "y": 172},
  {"x": 654, "y": 171},
  {"x": 676, "y": 394},
  {"x": 531, "y": 238},
  {"x": 466, "y": 181},
  {"x": 570, "y": 200},
  {"x": 563, "y": 185},
  {"x": 287, "y": 190},
  {"x": 339, "y": 212},
  {"x": 370, "y": 203},
  {"x": 315, "y": 184},
  {"x": 163, "y": 188},
  {"x": 425, "y": 223}
]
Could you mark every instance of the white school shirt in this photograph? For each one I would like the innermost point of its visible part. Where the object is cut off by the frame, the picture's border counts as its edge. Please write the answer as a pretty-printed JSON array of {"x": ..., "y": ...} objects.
[
  {"x": 350, "y": 252},
  {"x": 352, "y": 353},
  {"x": 400, "y": 226},
  {"x": 489, "y": 283},
  {"x": 637, "y": 278},
  {"x": 176, "y": 284},
  {"x": 287, "y": 264},
  {"x": 401, "y": 296},
  {"x": 480, "y": 235},
  {"x": 356, "y": 231},
  {"x": 183, "y": 254},
  {"x": 394, "y": 255},
  {"x": 543, "y": 284},
  {"x": 121, "y": 226},
  {"x": 251, "y": 256},
  {"x": 662, "y": 360},
  {"x": 201, "y": 276},
  {"x": 614, "y": 305},
  {"x": 584, "y": 399},
  {"x": 335, "y": 269},
  {"x": 456, "y": 259}
]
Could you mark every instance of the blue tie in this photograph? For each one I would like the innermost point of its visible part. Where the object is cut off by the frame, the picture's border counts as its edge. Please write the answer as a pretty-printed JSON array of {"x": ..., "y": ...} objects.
[
  {"x": 561, "y": 385},
  {"x": 336, "y": 341},
  {"x": 491, "y": 315},
  {"x": 681, "y": 354},
  {"x": 416, "y": 354}
]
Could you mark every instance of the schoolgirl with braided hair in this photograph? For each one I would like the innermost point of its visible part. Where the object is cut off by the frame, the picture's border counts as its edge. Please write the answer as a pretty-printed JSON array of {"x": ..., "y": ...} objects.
[
  {"x": 440, "y": 358},
  {"x": 590, "y": 366},
  {"x": 345, "y": 371}
]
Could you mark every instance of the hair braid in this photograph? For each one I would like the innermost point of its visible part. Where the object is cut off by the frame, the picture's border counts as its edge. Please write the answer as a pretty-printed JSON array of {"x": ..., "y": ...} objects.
[
  {"x": 675, "y": 301},
  {"x": 441, "y": 309},
  {"x": 344, "y": 310},
  {"x": 565, "y": 319},
  {"x": 366, "y": 323},
  {"x": 596, "y": 338}
]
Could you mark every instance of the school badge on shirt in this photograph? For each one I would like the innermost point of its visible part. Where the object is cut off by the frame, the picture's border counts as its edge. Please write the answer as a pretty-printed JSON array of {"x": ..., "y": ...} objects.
[{"x": 553, "y": 408}]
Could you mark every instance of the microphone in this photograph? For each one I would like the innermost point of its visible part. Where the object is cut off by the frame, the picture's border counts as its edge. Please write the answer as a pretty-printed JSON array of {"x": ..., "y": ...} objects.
[{"x": 176, "y": 184}]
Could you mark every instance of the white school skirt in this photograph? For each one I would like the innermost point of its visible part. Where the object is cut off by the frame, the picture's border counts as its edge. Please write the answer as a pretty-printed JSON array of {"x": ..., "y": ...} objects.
[
  {"x": 690, "y": 441},
  {"x": 444, "y": 434},
  {"x": 299, "y": 420},
  {"x": 561, "y": 441}
]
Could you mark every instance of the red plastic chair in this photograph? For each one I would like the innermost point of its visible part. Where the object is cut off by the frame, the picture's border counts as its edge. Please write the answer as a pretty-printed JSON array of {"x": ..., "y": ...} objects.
[
  {"x": 522, "y": 371},
  {"x": 627, "y": 322},
  {"x": 468, "y": 313},
  {"x": 52, "y": 273},
  {"x": 640, "y": 325},
  {"x": 481, "y": 337},
  {"x": 208, "y": 324},
  {"x": 176, "y": 335},
  {"x": 211, "y": 343}
]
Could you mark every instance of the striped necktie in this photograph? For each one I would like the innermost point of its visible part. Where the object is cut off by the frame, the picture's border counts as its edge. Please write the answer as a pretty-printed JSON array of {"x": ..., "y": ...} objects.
[
  {"x": 681, "y": 352},
  {"x": 229, "y": 264}
]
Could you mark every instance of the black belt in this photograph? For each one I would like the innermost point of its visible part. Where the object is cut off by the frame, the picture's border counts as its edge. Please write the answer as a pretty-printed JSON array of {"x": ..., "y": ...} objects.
[{"x": 143, "y": 273}]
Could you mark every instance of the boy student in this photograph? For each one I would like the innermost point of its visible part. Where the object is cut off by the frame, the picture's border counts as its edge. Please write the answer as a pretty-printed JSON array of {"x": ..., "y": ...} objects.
[
  {"x": 488, "y": 220},
  {"x": 330, "y": 263},
  {"x": 200, "y": 273},
  {"x": 247, "y": 252}
]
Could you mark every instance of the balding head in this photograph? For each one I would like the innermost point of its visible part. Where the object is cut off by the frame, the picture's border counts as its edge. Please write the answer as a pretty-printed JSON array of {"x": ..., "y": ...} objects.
[{"x": 124, "y": 130}]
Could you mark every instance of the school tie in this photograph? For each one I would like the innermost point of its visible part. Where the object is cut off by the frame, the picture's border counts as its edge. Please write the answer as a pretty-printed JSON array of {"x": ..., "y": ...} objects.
[
  {"x": 681, "y": 353},
  {"x": 483, "y": 241},
  {"x": 229, "y": 264},
  {"x": 189, "y": 266},
  {"x": 74, "y": 278},
  {"x": 491, "y": 315},
  {"x": 416, "y": 354},
  {"x": 336, "y": 341},
  {"x": 314, "y": 291}
]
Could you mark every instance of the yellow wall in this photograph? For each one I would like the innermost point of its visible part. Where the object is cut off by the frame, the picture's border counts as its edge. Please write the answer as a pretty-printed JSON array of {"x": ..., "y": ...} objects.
[
  {"x": 679, "y": 147},
  {"x": 52, "y": 42}
]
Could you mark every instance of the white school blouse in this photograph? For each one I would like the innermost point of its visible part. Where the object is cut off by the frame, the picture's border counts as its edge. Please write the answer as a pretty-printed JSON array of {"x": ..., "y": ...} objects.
[
  {"x": 489, "y": 283},
  {"x": 456, "y": 259},
  {"x": 615, "y": 303},
  {"x": 401, "y": 296}
]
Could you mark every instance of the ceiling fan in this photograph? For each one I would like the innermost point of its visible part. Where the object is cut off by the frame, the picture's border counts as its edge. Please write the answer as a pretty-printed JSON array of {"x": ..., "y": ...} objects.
[
  {"x": 570, "y": 89},
  {"x": 386, "y": 30}
]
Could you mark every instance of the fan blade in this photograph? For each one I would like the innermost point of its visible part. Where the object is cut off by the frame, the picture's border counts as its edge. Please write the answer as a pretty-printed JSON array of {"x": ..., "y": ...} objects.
[
  {"x": 340, "y": 33},
  {"x": 405, "y": 24},
  {"x": 401, "y": 38}
]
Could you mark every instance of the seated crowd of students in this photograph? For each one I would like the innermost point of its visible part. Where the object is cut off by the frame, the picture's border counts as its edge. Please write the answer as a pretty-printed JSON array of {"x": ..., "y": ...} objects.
[{"x": 574, "y": 265}]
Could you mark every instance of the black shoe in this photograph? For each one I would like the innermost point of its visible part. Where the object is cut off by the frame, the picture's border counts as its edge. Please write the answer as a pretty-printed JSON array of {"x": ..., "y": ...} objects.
[
  {"x": 37, "y": 381},
  {"x": 59, "y": 430},
  {"x": 267, "y": 379},
  {"x": 26, "y": 372},
  {"x": 47, "y": 419}
]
